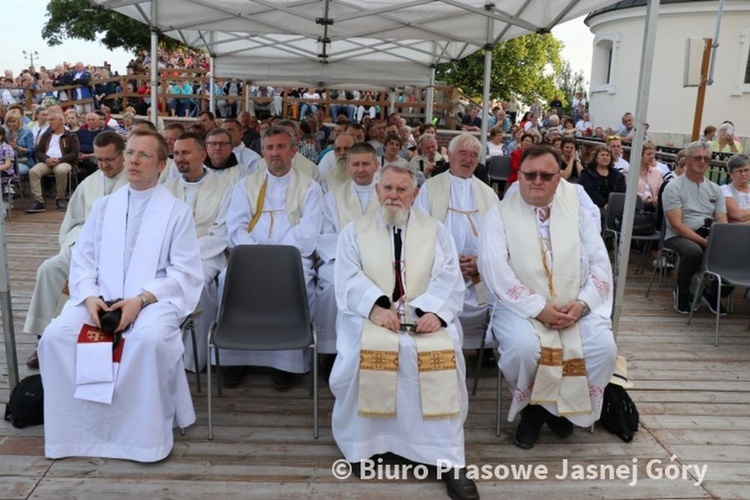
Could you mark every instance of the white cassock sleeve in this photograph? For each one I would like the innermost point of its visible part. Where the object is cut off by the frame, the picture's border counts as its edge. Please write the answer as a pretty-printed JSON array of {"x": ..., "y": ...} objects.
[
  {"x": 239, "y": 217},
  {"x": 597, "y": 283},
  {"x": 83, "y": 278},
  {"x": 305, "y": 234},
  {"x": 422, "y": 203},
  {"x": 496, "y": 272},
  {"x": 75, "y": 216},
  {"x": 329, "y": 235}
]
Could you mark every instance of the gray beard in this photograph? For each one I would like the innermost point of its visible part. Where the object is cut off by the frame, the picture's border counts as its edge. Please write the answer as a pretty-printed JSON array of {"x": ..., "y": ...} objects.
[{"x": 396, "y": 218}]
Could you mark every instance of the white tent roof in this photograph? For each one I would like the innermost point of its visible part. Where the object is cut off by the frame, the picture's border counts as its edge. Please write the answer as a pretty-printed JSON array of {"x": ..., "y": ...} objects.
[{"x": 325, "y": 41}]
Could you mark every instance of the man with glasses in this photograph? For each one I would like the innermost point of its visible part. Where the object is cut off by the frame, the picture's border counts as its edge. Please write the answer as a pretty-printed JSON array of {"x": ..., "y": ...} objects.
[
  {"x": 121, "y": 397},
  {"x": 543, "y": 259},
  {"x": 52, "y": 275},
  {"x": 688, "y": 201},
  {"x": 56, "y": 152},
  {"x": 221, "y": 159}
]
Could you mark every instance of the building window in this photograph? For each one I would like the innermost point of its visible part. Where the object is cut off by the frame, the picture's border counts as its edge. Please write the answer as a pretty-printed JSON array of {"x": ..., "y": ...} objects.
[
  {"x": 743, "y": 64},
  {"x": 604, "y": 64}
]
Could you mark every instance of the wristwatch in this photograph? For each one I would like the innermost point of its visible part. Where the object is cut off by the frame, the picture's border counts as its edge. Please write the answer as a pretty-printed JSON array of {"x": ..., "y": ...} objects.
[
  {"x": 584, "y": 308},
  {"x": 144, "y": 300}
]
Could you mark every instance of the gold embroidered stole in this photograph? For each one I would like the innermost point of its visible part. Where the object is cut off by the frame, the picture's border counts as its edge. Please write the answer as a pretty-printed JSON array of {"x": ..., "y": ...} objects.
[
  {"x": 561, "y": 374},
  {"x": 348, "y": 206},
  {"x": 255, "y": 185},
  {"x": 379, "y": 351}
]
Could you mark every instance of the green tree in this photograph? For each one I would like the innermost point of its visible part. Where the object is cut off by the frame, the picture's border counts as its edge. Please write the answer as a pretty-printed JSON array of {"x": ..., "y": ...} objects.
[
  {"x": 68, "y": 19},
  {"x": 569, "y": 83},
  {"x": 524, "y": 66}
]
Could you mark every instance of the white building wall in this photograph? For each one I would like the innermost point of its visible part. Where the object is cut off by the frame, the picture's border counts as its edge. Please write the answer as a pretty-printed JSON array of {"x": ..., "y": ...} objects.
[{"x": 672, "y": 106}]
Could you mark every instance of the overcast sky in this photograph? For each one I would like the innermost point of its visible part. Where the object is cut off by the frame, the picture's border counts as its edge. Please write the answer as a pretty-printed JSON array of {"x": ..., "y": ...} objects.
[{"x": 26, "y": 35}]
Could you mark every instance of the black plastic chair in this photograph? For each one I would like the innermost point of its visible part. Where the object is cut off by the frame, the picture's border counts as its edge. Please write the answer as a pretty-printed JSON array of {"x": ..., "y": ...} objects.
[
  {"x": 498, "y": 170},
  {"x": 264, "y": 308},
  {"x": 725, "y": 260},
  {"x": 615, "y": 208}
]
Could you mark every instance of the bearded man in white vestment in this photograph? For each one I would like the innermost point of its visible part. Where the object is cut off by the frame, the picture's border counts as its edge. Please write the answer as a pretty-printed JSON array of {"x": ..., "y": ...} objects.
[
  {"x": 208, "y": 196},
  {"x": 139, "y": 246},
  {"x": 277, "y": 205},
  {"x": 351, "y": 200},
  {"x": 543, "y": 259},
  {"x": 460, "y": 201},
  {"x": 399, "y": 299},
  {"x": 52, "y": 275}
]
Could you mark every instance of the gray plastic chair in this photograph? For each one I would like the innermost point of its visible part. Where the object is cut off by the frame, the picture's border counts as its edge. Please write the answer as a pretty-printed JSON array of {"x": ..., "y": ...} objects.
[
  {"x": 666, "y": 255},
  {"x": 264, "y": 308},
  {"x": 498, "y": 170},
  {"x": 725, "y": 260},
  {"x": 615, "y": 208}
]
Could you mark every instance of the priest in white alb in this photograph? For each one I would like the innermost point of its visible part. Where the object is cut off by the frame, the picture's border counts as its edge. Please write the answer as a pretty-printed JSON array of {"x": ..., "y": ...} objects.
[
  {"x": 543, "y": 259},
  {"x": 399, "y": 376},
  {"x": 207, "y": 194},
  {"x": 277, "y": 205},
  {"x": 138, "y": 247},
  {"x": 351, "y": 200},
  {"x": 51, "y": 277},
  {"x": 460, "y": 201}
]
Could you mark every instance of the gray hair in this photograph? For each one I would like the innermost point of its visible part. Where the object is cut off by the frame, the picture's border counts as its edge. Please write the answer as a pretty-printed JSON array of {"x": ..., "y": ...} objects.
[
  {"x": 280, "y": 130},
  {"x": 465, "y": 139},
  {"x": 398, "y": 166},
  {"x": 694, "y": 146},
  {"x": 737, "y": 161}
]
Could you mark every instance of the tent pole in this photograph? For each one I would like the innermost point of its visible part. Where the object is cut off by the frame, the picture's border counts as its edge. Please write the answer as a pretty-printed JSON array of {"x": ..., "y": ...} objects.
[
  {"x": 391, "y": 100},
  {"x": 641, "y": 108},
  {"x": 485, "y": 101},
  {"x": 430, "y": 97},
  {"x": 154, "y": 66},
  {"x": 212, "y": 82},
  {"x": 6, "y": 309}
]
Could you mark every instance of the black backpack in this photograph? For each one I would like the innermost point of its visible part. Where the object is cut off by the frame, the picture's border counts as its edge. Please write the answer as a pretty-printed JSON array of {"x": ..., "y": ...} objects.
[
  {"x": 26, "y": 404},
  {"x": 619, "y": 414}
]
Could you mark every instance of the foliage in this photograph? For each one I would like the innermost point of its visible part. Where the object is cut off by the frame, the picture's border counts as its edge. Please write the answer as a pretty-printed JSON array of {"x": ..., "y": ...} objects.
[
  {"x": 520, "y": 67},
  {"x": 68, "y": 19},
  {"x": 569, "y": 83}
]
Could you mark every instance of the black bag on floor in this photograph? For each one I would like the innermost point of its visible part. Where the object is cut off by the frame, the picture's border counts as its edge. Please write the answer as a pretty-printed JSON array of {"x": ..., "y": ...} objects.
[
  {"x": 619, "y": 414},
  {"x": 26, "y": 403}
]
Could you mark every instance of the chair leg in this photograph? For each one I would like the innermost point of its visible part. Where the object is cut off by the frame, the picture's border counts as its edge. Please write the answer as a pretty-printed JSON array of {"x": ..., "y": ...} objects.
[
  {"x": 478, "y": 368},
  {"x": 653, "y": 275},
  {"x": 718, "y": 307},
  {"x": 695, "y": 299},
  {"x": 191, "y": 326},
  {"x": 499, "y": 410},
  {"x": 209, "y": 391},
  {"x": 315, "y": 391}
]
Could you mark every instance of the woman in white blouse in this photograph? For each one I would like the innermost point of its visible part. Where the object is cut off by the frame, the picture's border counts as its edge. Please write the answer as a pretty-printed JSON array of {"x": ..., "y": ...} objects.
[{"x": 737, "y": 193}]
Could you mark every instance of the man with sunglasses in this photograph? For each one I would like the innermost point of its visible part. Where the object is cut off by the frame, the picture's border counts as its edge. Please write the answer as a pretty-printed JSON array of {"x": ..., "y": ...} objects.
[
  {"x": 688, "y": 201},
  {"x": 543, "y": 259},
  {"x": 52, "y": 275}
]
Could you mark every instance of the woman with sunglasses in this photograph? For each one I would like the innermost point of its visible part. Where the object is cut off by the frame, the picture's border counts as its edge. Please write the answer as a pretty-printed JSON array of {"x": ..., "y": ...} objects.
[{"x": 737, "y": 193}]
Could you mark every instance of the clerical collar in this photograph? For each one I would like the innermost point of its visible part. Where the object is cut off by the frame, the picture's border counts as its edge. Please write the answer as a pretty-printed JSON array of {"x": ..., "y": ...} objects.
[
  {"x": 143, "y": 193},
  {"x": 203, "y": 175},
  {"x": 280, "y": 177},
  {"x": 363, "y": 189}
]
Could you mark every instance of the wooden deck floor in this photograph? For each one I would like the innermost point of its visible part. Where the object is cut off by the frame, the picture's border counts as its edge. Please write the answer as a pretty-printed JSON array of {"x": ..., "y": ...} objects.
[{"x": 693, "y": 400}]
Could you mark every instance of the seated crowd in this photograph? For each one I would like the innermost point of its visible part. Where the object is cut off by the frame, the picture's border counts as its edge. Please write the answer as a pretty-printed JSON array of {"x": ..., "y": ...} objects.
[{"x": 402, "y": 242}]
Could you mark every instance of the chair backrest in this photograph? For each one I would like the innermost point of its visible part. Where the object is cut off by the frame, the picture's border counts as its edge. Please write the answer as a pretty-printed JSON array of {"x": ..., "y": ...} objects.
[
  {"x": 265, "y": 292},
  {"x": 615, "y": 208},
  {"x": 727, "y": 248},
  {"x": 499, "y": 168}
]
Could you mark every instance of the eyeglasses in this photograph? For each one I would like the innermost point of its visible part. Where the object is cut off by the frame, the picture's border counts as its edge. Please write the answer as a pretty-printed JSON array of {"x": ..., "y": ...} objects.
[
  {"x": 740, "y": 171},
  {"x": 218, "y": 144},
  {"x": 705, "y": 159},
  {"x": 142, "y": 155},
  {"x": 107, "y": 160},
  {"x": 531, "y": 176}
]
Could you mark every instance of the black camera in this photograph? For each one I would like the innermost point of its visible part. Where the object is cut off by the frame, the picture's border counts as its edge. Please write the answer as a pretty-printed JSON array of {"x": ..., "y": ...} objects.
[{"x": 109, "y": 320}]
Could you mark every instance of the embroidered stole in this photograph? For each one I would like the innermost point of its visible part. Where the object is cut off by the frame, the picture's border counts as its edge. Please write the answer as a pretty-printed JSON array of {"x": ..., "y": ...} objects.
[
  {"x": 379, "y": 351},
  {"x": 255, "y": 185},
  {"x": 348, "y": 205},
  {"x": 439, "y": 189},
  {"x": 561, "y": 374},
  {"x": 208, "y": 202}
]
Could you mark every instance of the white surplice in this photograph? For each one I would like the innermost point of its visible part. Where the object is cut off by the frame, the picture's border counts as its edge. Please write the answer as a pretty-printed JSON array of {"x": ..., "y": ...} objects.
[
  {"x": 52, "y": 274},
  {"x": 274, "y": 228},
  {"x": 515, "y": 304},
  {"x": 408, "y": 434},
  {"x": 247, "y": 157},
  {"x": 133, "y": 241},
  {"x": 301, "y": 164},
  {"x": 584, "y": 201},
  {"x": 324, "y": 312},
  {"x": 208, "y": 198}
]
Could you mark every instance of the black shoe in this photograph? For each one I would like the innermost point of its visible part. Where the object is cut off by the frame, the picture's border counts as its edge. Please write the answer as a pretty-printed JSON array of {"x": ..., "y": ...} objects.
[
  {"x": 488, "y": 359},
  {"x": 527, "y": 432},
  {"x": 461, "y": 487},
  {"x": 327, "y": 365},
  {"x": 60, "y": 204},
  {"x": 283, "y": 380},
  {"x": 682, "y": 302},
  {"x": 710, "y": 299},
  {"x": 33, "y": 361},
  {"x": 36, "y": 207},
  {"x": 232, "y": 376},
  {"x": 560, "y": 426}
]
